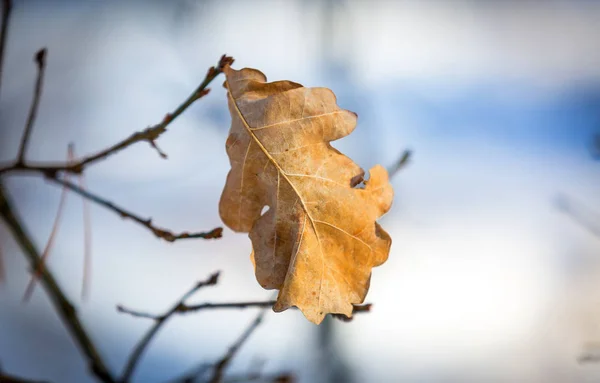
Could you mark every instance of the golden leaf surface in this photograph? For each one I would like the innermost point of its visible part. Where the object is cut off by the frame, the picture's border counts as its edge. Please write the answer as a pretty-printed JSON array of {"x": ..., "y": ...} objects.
[{"x": 319, "y": 238}]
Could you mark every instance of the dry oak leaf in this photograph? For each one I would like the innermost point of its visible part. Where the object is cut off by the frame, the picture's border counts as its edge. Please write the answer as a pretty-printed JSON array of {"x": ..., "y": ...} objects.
[{"x": 318, "y": 240}]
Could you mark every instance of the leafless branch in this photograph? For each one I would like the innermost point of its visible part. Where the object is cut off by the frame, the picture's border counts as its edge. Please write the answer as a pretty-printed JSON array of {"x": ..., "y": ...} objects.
[
  {"x": 183, "y": 308},
  {"x": 147, "y": 223},
  {"x": 40, "y": 60},
  {"x": 223, "y": 363},
  {"x": 401, "y": 163},
  {"x": 580, "y": 214},
  {"x": 263, "y": 304},
  {"x": 159, "y": 322},
  {"x": 193, "y": 375},
  {"x": 53, "y": 172},
  {"x": 356, "y": 309},
  {"x": 62, "y": 305},
  {"x": 149, "y": 134},
  {"x": 5, "y": 378}
]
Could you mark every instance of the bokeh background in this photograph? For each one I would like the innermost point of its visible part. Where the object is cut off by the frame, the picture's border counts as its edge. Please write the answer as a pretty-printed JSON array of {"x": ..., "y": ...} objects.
[{"x": 494, "y": 272}]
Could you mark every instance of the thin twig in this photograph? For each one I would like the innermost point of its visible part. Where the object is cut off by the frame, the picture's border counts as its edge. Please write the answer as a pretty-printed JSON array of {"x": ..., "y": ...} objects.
[
  {"x": 6, "y": 10},
  {"x": 149, "y": 134},
  {"x": 40, "y": 60},
  {"x": 401, "y": 163},
  {"x": 159, "y": 321},
  {"x": 147, "y": 223},
  {"x": 4, "y": 378},
  {"x": 183, "y": 308},
  {"x": 46, "y": 253},
  {"x": 355, "y": 309},
  {"x": 223, "y": 363},
  {"x": 62, "y": 305},
  {"x": 580, "y": 214},
  {"x": 229, "y": 305},
  {"x": 266, "y": 304},
  {"x": 193, "y": 374}
]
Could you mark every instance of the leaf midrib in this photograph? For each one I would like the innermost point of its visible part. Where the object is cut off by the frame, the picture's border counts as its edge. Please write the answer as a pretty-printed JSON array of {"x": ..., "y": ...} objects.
[{"x": 280, "y": 170}]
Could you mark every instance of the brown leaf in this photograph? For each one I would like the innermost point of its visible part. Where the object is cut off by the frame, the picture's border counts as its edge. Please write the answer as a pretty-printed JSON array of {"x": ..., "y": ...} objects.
[{"x": 318, "y": 241}]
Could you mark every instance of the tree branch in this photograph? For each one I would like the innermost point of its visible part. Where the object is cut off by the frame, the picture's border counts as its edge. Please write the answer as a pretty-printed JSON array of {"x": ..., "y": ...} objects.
[
  {"x": 40, "y": 60},
  {"x": 584, "y": 216},
  {"x": 223, "y": 363},
  {"x": 401, "y": 163},
  {"x": 149, "y": 134},
  {"x": 159, "y": 321},
  {"x": 183, "y": 308},
  {"x": 4, "y": 378},
  {"x": 147, "y": 223},
  {"x": 64, "y": 308}
]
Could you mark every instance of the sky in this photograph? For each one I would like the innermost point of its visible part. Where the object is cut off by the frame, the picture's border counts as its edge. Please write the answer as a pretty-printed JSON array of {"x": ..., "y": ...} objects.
[{"x": 488, "y": 280}]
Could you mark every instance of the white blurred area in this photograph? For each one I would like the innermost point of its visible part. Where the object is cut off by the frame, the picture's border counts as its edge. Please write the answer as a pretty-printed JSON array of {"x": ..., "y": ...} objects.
[{"x": 487, "y": 280}]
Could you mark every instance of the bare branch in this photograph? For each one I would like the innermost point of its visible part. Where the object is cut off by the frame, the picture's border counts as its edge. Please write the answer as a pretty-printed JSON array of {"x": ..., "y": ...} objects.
[
  {"x": 64, "y": 308},
  {"x": 183, "y": 308},
  {"x": 193, "y": 374},
  {"x": 147, "y": 223},
  {"x": 400, "y": 164},
  {"x": 4, "y": 378},
  {"x": 159, "y": 321},
  {"x": 149, "y": 134},
  {"x": 137, "y": 314},
  {"x": 230, "y": 305},
  {"x": 264, "y": 304},
  {"x": 223, "y": 363},
  {"x": 584, "y": 216},
  {"x": 40, "y": 60},
  {"x": 356, "y": 309},
  {"x": 6, "y": 10}
]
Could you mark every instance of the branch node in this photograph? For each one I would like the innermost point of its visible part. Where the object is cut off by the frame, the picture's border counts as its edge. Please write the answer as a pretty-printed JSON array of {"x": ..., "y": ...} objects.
[
  {"x": 202, "y": 93},
  {"x": 225, "y": 60},
  {"x": 212, "y": 280},
  {"x": 211, "y": 72},
  {"x": 160, "y": 152}
]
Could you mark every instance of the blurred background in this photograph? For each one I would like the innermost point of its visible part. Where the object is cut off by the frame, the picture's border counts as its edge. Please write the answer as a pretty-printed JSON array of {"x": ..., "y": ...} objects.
[{"x": 494, "y": 272}]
